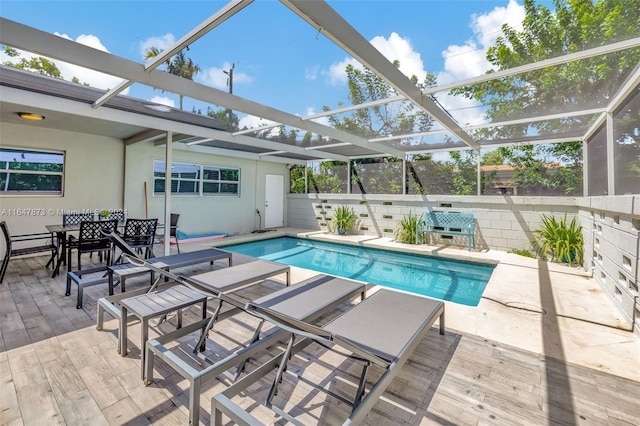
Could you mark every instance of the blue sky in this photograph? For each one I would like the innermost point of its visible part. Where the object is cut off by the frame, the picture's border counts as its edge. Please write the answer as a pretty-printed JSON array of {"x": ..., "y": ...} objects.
[{"x": 279, "y": 59}]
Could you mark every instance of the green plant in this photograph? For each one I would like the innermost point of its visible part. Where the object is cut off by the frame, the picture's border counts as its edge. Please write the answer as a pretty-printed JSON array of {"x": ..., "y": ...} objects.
[
  {"x": 560, "y": 241},
  {"x": 343, "y": 220},
  {"x": 523, "y": 252},
  {"x": 406, "y": 229}
]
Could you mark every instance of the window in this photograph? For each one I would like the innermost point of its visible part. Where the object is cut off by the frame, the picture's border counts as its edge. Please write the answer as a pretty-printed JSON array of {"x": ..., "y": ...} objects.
[
  {"x": 194, "y": 179},
  {"x": 30, "y": 171}
]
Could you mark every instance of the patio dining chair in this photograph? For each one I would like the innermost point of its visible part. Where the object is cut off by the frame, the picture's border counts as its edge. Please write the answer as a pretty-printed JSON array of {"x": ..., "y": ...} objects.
[
  {"x": 173, "y": 229},
  {"x": 45, "y": 243},
  {"x": 91, "y": 240},
  {"x": 140, "y": 235},
  {"x": 76, "y": 218}
]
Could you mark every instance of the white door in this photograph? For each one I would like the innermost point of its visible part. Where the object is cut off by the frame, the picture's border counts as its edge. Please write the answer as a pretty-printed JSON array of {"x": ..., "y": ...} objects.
[{"x": 274, "y": 201}]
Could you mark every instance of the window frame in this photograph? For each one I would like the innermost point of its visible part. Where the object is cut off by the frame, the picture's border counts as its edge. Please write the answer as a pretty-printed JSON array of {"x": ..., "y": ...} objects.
[
  {"x": 199, "y": 181},
  {"x": 31, "y": 193}
]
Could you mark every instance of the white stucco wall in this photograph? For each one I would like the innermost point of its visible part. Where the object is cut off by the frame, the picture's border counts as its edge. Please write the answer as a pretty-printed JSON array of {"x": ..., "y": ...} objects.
[
  {"x": 199, "y": 215},
  {"x": 93, "y": 175}
]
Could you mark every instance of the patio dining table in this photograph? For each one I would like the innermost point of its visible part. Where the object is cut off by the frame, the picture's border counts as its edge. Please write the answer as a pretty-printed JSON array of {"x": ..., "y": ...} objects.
[{"x": 61, "y": 234}]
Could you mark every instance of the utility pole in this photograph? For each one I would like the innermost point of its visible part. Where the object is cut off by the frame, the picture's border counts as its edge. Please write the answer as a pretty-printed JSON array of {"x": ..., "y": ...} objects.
[{"x": 230, "y": 84}]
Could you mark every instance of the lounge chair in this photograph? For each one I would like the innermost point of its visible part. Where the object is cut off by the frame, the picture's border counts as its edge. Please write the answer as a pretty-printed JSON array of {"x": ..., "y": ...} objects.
[
  {"x": 305, "y": 301},
  {"x": 181, "y": 293},
  {"x": 383, "y": 330},
  {"x": 193, "y": 290}
]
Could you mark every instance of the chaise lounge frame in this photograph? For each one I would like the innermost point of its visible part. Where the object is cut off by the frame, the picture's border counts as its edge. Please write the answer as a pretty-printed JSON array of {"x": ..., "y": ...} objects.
[
  {"x": 307, "y": 301},
  {"x": 384, "y": 330}
]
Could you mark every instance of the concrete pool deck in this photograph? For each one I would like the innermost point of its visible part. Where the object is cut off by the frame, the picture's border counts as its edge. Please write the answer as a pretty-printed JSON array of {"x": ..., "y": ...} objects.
[{"x": 537, "y": 306}]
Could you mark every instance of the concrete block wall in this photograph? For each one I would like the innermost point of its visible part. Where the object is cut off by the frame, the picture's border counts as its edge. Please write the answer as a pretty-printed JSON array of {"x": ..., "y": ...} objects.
[
  {"x": 612, "y": 249},
  {"x": 502, "y": 223}
]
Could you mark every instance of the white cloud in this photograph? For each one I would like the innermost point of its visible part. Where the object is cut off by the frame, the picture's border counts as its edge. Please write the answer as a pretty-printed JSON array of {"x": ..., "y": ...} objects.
[
  {"x": 393, "y": 48},
  {"x": 336, "y": 73},
  {"x": 216, "y": 77},
  {"x": 469, "y": 59},
  {"x": 321, "y": 120},
  {"x": 398, "y": 48},
  {"x": 311, "y": 73},
  {"x": 69, "y": 71},
  {"x": 163, "y": 100},
  {"x": 251, "y": 121},
  {"x": 159, "y": 42}
]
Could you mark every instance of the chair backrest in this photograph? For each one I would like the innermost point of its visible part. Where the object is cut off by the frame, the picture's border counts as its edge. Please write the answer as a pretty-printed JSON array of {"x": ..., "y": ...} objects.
[
  {"x": 76, "y": 218},
  {"x": 121, "y": 244},
  {"x": 140, "y": 231},
  {"x": 119, "y": 215},
  {"x": 7, "y": 237},
  {"x": 174, "y": 224},
  {"x": 90, "y": 232}
]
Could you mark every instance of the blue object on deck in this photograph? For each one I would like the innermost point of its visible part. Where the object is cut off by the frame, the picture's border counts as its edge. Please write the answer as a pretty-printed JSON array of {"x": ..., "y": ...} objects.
[{"x": 185, "y": 236}]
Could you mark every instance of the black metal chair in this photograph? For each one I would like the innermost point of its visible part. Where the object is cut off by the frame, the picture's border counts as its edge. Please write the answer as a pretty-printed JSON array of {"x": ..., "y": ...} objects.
[
  {"x": 173, "y": 228},
  {"x": 140, "y": 234},
  {"x": 41, "y": 248},
  {"x": 91, "y": 240},
  {"x": 72, "y": 219},
  {"x": 119, "y": 215},
  {"x": 76, "y": 218}
]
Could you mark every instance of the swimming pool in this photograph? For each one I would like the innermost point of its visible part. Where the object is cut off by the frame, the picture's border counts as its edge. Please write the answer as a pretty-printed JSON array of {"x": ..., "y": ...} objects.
[{"x": 456, "y": 281}]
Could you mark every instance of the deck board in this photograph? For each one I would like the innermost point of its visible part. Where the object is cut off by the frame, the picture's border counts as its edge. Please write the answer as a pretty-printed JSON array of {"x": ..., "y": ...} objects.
[{"x": 56, "y": 368}]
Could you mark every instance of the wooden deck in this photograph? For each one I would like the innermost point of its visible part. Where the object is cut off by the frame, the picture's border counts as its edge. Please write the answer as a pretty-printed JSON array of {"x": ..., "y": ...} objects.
[{"x": 56, "y": 368}]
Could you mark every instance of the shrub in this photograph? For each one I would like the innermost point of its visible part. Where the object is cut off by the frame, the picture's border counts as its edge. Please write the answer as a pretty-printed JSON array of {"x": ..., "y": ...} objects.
[
  {"x": 558, "y": 241},
  {"x": 343, "y": 220},
  {"x": 406, "y": 229},
  {"x": 523, "y": 252}
]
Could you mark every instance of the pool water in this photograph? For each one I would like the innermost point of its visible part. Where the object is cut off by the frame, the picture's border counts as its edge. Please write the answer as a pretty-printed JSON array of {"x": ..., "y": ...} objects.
[{"x": 456, "y": 281}]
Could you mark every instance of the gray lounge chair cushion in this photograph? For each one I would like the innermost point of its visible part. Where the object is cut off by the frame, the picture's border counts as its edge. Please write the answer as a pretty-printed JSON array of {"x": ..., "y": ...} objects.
[
  {"x": 302, "y": 300},
  {"x": 386, "y": 322}
]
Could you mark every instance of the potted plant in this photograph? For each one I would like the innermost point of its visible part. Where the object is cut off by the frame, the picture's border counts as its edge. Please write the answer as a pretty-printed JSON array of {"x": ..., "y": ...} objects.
[
  {"x": 104, "y": 214},
  {"x": 406, "y": 229},
  {"x": 344, "y": 219},
  {"x": 560, "y": 241}
]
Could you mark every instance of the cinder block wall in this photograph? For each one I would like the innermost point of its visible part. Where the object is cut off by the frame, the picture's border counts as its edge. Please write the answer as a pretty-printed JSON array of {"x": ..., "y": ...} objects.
[
  {"x": 611, "y": 227},
  {"x": 502, "y": 223}
]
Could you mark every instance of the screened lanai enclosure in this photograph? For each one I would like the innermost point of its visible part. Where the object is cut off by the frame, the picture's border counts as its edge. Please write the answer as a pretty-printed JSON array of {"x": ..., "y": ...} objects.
[
  {"x": 554, "y": 113},
  {"x": 251, "y": 120}
]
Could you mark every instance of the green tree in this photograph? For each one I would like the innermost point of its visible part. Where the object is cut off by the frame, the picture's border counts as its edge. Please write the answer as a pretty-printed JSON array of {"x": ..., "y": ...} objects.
[
  {"x": 573, "y": 26},
  {"x": 379, "y": 175},
  {"x": 36, "y": 64},
  {"x": 224, "y": 116},
  {"x": 178, "y": 65}
]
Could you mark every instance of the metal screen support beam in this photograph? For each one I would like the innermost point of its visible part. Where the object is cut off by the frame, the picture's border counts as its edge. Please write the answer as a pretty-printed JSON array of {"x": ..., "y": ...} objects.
[
  {"x": 167, "y": 193},
  {"x": 479, "y": 171},
  {"x": 348, "y": 176},
  {"x": 611, "y": 184},
  {"x": 327, "y": 21},
  {"x": 585, "y": 168},
  {"x": 404, "y": 175}
]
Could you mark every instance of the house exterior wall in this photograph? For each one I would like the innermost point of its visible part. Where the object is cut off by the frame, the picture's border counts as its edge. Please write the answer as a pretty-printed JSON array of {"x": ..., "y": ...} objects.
[
  {"x": 93, "y": 176},
  {"x": 199, "y": 215}
]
